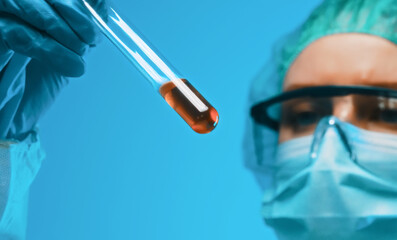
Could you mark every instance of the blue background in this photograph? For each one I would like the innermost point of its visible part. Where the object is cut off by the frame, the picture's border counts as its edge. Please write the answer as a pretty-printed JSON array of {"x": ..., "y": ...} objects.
[{"x": 121, "y": 164}]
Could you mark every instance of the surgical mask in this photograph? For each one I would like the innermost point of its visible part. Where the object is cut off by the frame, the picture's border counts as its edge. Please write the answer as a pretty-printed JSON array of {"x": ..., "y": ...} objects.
[{"x": 339, "y": 183}]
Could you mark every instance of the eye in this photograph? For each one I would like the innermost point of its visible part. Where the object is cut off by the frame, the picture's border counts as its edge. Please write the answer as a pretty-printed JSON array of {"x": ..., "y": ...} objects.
[
  {"x": 306, "y": 118},
  {"x": 383, "y": 110},
  {"x": 388, "y": 116},
  {"x": 302, "y": 114},
  {"x": 301, "y": 117}
]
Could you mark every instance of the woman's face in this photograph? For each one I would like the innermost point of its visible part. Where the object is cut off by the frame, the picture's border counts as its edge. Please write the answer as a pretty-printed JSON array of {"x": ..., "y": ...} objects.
[{"x": 343, "y": 59}]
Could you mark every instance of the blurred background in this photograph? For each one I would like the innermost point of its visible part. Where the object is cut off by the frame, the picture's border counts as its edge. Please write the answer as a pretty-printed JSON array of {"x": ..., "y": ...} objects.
[{"x": 121, "y": 164}]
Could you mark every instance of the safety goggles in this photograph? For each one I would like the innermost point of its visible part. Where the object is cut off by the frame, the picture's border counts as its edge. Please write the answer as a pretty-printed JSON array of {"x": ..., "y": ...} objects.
[{"x": 296, "y": 113}]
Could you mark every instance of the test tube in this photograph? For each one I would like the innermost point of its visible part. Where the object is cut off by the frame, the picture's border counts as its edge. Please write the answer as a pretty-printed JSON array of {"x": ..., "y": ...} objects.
[{"x": 200, "y": 115}]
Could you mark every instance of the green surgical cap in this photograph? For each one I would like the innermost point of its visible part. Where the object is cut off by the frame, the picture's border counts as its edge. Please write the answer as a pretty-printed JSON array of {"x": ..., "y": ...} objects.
[{"x": 375, "y": 17}]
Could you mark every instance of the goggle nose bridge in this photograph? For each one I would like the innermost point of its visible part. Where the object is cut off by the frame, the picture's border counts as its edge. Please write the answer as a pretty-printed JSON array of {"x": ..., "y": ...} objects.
[{"x": 322, "y": 128}]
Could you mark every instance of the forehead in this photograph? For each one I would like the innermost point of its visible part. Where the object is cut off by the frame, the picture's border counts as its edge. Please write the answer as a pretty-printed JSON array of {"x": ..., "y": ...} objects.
[{"x": 345, "y": 59}]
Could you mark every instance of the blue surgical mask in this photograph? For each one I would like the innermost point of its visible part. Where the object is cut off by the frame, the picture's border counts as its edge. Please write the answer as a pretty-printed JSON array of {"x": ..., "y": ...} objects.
[{"x": 339, "y": 183}]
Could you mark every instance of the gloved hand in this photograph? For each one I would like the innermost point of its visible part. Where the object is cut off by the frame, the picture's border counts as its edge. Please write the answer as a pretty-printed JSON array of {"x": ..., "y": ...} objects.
[{"x": 42, "y": 42}]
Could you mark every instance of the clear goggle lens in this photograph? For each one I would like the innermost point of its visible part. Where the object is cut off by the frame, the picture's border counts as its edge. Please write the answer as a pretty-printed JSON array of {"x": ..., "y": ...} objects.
[{"x": 297, "y": 113}]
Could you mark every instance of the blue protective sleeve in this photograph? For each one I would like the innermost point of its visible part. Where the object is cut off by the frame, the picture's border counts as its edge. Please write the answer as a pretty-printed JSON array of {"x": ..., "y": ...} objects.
[{"x": 19, "y": 163}]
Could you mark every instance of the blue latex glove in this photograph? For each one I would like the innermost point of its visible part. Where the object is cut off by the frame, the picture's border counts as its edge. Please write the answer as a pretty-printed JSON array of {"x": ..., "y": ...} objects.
[{"x": 42, "y": 42}]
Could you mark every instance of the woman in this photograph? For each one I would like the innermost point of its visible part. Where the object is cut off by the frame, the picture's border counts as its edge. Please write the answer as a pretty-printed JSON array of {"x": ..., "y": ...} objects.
[{"x": 322, "y": 138}]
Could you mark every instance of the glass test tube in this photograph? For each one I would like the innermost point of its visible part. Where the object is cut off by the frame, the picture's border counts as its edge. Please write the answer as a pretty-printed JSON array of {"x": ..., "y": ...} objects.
[{"x": 175, "y": 89}]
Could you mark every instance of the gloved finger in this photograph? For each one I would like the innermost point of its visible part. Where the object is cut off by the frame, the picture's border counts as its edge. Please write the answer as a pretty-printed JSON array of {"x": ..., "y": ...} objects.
[
  {"x": 76, "y": 15},
  {"x": 42, "y": 16},
  {"x": 100, "y": 6},
  {"x": 22, "y": 38}
]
